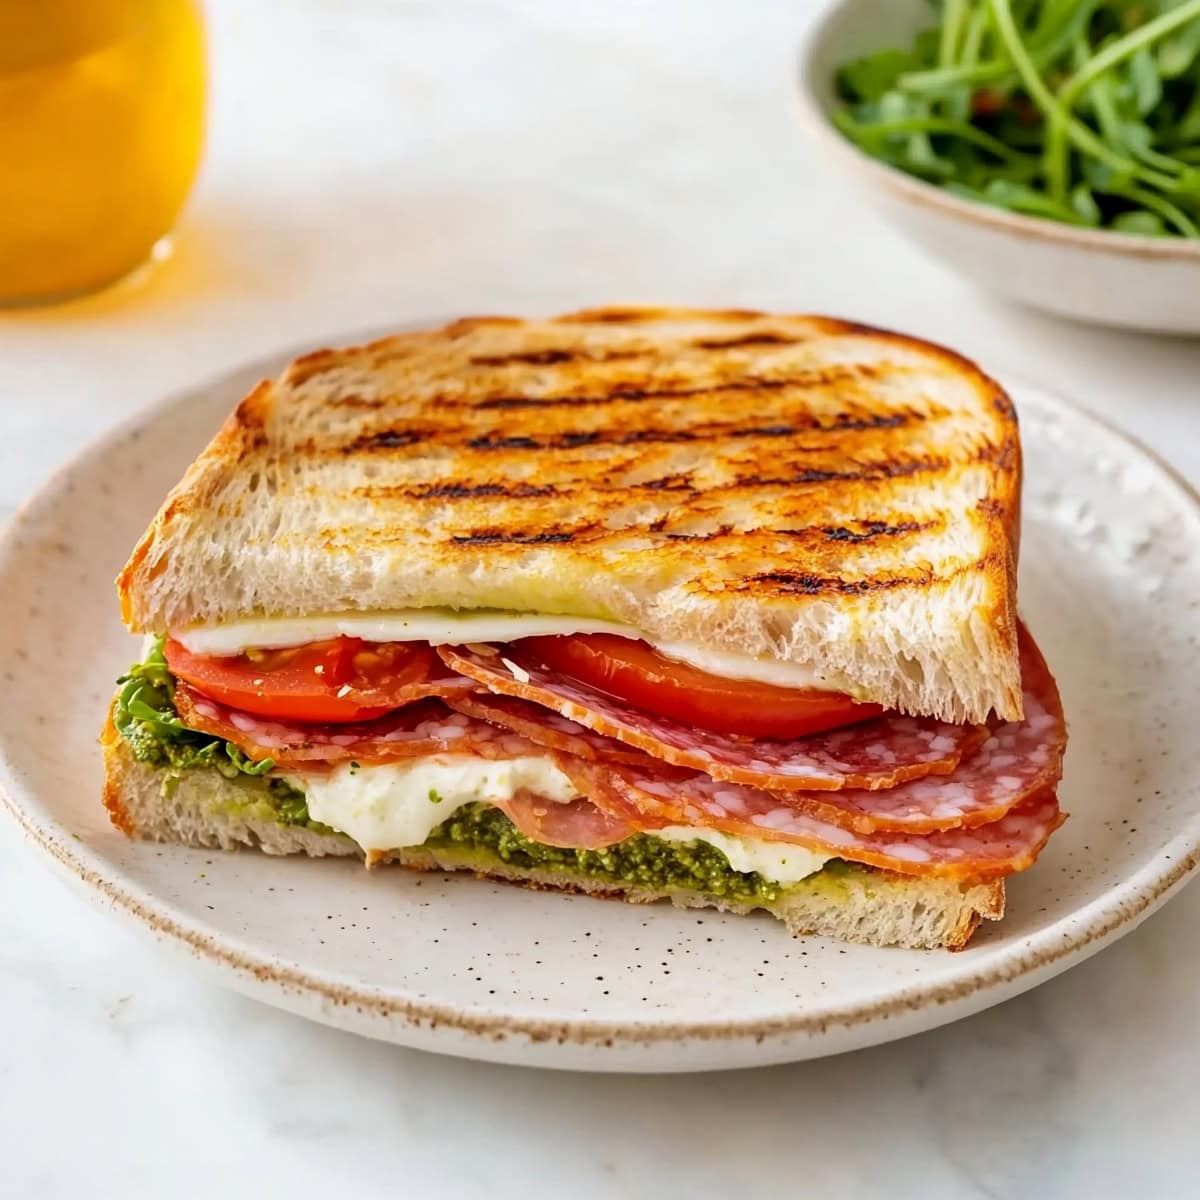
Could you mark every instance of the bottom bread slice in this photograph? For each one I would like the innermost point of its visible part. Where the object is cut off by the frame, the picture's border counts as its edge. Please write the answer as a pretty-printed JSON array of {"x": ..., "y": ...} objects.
[{"x": 202, "y": 807}]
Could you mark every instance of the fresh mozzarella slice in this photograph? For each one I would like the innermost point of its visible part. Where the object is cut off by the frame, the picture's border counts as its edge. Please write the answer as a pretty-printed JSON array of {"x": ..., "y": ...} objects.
[{"x": 450, "y": 628}]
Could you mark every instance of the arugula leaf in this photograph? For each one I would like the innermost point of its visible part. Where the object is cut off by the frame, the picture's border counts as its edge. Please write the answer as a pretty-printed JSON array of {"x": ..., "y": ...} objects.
[
  {"x": 869, "y": 78},
  {"x": 1084, "y": 204},
  {"x": 145, "y": 717},
  {"x": 1147, "y": 86},
  {"x": 1141, "y": 222},
  {"x": 1177, "y": 53},
  {"x": 1081, "y": 111}
]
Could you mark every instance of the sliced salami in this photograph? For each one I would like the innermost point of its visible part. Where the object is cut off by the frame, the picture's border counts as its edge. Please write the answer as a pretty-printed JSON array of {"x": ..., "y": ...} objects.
[
  {"x": 667, "y": 796},
  {"x": 1018, "y": 759},
  {"x": 449, "y": 684},
  {"x": 427, "y": 727},
  {"x": 544, "y": 726},
  {"x": 876, "y": 754},
  {"x": 578, "y": 825}
]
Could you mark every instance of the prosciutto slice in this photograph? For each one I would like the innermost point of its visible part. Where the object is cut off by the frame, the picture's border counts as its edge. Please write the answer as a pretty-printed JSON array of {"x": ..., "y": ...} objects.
[
  {"x": 578, "y": 825},
  {"x": 662, "y": 795},
  {"x": 876, "y": 754},
  {"x": 427, "y": 727}
]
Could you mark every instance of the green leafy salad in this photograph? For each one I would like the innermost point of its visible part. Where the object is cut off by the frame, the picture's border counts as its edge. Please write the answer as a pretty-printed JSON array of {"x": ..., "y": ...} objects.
[
  {"x": 145, "y": 717},
  {"x": 1081, "y": 111}
]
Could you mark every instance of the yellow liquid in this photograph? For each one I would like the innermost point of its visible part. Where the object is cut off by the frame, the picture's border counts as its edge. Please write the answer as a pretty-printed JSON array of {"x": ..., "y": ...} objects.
[{"x": 101, "y": 128}]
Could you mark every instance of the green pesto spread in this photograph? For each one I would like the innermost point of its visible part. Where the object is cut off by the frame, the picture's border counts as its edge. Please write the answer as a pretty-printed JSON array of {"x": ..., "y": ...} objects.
[{"x": 639, "y": 861}]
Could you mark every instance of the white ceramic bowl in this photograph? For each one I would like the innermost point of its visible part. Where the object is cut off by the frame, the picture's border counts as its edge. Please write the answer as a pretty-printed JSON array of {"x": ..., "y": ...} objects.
[{"x": 1091, "y": 275}]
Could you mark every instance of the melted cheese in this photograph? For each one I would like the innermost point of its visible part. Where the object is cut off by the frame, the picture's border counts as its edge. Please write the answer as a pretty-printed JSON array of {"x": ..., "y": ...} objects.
[
  {"x": 780, "y": 862},
  {"x": 389, "y": 806},
  {"x": 438, "y": 626},
  {"x": 447, "y": 627}
]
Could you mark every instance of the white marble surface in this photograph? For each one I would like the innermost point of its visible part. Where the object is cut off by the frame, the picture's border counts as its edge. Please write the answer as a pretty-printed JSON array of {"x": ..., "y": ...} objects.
[{"x": 375, "y": 161}]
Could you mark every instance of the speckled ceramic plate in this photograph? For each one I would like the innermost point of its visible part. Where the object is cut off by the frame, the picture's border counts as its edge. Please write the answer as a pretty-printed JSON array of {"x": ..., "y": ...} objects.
[{"x": 1110, "y": 582}]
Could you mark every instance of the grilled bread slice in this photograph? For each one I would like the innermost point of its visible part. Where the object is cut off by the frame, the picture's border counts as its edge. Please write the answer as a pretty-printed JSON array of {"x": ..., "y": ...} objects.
[{"x": 793, "y": 487}]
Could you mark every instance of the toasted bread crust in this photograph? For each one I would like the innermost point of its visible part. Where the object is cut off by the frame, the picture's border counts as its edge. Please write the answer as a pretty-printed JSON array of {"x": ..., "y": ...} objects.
[{"x": 748, "y": 481}]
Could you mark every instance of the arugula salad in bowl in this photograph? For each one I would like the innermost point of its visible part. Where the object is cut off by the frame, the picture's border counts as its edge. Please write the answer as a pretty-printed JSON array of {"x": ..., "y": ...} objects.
[{"x": 1049, "y": 149}]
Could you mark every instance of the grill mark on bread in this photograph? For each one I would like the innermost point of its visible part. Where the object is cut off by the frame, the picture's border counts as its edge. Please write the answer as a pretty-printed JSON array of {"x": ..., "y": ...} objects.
[
  {"x": 629, "y": 392},
  {"x": 638, "y": 437},
  {"x": 765, "y": 431},
  {"x": 573, "y": 439},
  {"x": 619, "y": 316},
  {"x": 384, "y": 439},
  {"x": 354, "y": 401},
  {"x": 449, "y": 490},
  {"x": 1005, "y": 456},
  {"x": 862, "y": 532},
  {"x": 309, "y": 365},
  {"x": 555, "y": 356},
  {"x": 520, "y": 537},
  {"x": 805, "y": 583},
  {"x": 650, "y": 316},
  {"x": 518, "y": 402},
  {"x": 1004, "y": 405},
  {"x": 1002, "y": 456},
  {"x": 766, "y": 337},
  {"x": 887, "y": 469},
  {"x": 490, "y": 441},
  {"x": 668, "y": 483},
  {"x": 552, "y": 357},
  {"x": 877, "y": 421},
  {"x": 868, "y": 531}
]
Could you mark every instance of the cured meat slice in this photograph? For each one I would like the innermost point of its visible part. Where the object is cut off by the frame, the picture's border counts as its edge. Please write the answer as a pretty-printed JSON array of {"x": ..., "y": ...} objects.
[
  {"x": 1017, "y": 759},
  {"x": 449, "y": 684},
  {"x": 876, "y": 754},
  {"x": 546, "y": 727},
  {"x": 577, "y": 825},
  {"x": 667, "y": 796},
  {"x": 427, "y": 727}
]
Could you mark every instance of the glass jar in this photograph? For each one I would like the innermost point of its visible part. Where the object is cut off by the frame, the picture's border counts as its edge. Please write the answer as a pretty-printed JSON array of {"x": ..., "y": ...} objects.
[{"x": 101, "y": 128}]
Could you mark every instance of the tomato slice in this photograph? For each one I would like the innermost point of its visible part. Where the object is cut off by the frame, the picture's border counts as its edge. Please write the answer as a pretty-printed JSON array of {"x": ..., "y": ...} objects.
[
  {"x": 638, "y": 674},
  {"x": 342, "y": 679}
]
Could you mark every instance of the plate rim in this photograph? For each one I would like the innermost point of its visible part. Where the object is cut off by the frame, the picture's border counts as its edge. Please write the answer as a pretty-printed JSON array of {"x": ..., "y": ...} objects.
[{"x": 1118, "y": 910}]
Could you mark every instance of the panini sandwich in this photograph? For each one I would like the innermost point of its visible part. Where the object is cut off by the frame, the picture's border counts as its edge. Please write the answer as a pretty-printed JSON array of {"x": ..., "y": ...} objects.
[{"x": 714, "y": 607}]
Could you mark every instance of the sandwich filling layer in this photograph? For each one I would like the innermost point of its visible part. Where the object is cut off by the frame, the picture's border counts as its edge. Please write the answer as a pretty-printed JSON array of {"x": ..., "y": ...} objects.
[
  {"x": 450, "y": 627},
  {"x": 897, "y": 793},
  {"x": 396, "y": 805},
  {"x": 451, "y": 802}
]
